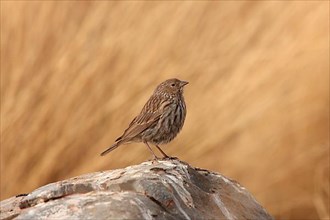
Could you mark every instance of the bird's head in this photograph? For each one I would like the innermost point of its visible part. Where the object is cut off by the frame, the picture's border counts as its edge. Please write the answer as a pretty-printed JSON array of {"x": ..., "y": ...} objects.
[{"x": 171, "y": 87}]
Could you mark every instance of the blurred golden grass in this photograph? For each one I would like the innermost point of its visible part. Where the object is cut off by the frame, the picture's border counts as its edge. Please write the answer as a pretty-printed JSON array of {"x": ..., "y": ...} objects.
[{"x": 74, "y": 74}]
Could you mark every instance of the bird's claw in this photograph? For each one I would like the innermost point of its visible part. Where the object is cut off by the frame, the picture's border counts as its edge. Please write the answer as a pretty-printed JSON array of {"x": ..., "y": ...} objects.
[{"x": 170, "y": 158}]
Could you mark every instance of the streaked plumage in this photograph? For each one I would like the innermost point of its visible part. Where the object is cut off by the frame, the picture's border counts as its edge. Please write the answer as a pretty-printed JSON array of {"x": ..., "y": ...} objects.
[{"x": 160, "y": 120}]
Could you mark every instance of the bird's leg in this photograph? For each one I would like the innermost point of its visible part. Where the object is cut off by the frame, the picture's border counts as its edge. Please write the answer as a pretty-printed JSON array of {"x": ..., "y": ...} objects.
[
  {"x": 155, "y": 156},
  {"x": 164, "y": 155}
]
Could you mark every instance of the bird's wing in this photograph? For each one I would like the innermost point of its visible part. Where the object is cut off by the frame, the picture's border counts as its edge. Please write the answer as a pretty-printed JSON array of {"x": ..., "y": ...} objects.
[
  {"x": 143, "y": 121},
  {"x": 139, "y": 124}
]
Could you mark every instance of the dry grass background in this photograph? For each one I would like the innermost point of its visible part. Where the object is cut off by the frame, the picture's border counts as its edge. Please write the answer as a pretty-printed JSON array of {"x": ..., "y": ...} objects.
[{"x": 74, "y": 74}]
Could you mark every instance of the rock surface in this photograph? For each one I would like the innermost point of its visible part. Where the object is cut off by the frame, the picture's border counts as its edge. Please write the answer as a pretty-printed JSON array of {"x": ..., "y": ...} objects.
[{"x": 163, "y": 189}]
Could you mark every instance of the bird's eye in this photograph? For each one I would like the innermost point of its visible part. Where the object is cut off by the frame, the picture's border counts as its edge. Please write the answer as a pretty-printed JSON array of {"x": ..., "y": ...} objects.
[{"x": 172, "y": 84}]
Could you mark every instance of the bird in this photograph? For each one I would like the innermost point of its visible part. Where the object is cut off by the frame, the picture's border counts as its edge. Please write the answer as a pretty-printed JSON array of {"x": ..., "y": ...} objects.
[{"x": 159, "y": 121}]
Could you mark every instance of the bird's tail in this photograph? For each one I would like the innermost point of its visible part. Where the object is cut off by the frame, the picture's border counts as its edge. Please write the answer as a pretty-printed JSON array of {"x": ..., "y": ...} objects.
[{"x": 114, "y": 146}]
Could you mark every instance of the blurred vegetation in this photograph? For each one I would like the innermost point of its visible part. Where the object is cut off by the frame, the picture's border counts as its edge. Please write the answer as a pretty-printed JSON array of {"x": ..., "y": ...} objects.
[{"x": 74, "y": 74}]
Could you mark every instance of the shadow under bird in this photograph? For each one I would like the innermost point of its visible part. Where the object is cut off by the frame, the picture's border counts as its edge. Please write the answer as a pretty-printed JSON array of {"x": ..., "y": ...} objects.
[{"x": 160, "y": 120}]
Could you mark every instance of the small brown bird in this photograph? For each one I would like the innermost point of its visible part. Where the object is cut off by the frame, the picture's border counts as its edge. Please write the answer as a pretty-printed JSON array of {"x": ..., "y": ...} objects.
[{"x": 160, "y": 120}]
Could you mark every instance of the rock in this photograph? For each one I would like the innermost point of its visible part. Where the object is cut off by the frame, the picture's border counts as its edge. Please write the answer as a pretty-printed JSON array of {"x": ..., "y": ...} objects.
[{"x": 163, "y": 189}]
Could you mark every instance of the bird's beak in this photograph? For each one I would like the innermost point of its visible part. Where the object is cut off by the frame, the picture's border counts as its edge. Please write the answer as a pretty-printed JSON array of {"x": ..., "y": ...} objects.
[{"x": 183, "y": 83}]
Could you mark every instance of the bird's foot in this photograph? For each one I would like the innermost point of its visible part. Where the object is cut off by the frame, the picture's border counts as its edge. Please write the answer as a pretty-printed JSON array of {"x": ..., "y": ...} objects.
[
  {"x": 170, "y": 158},
  {"x": 154, "y": 159}
]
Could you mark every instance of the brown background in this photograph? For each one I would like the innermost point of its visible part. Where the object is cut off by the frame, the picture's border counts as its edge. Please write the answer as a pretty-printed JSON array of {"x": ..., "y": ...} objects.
[{"x": 74, "y": 74}]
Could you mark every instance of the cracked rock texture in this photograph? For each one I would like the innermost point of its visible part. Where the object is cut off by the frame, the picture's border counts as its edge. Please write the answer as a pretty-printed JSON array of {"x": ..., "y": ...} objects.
[{"x": 163, "y": 189}]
